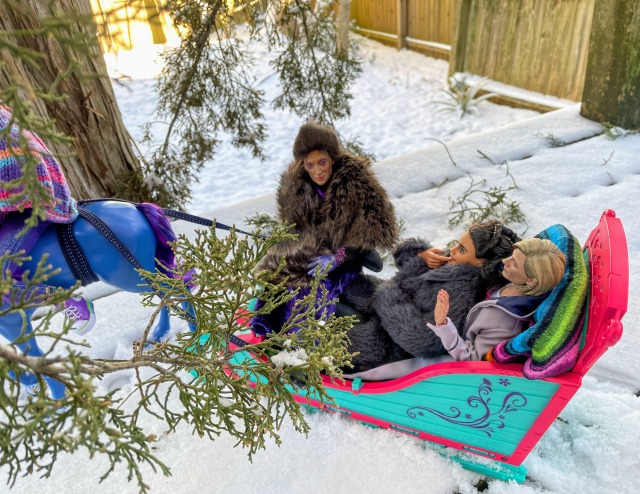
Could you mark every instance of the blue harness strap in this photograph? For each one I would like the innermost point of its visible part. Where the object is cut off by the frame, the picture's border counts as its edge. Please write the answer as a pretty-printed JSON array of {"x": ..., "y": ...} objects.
[
  {"x": 237, "y": 341},
  {"x": 74, "y": 256},
  {"x": 106, "y": 232},
  {"x": 179, "y": 215}
]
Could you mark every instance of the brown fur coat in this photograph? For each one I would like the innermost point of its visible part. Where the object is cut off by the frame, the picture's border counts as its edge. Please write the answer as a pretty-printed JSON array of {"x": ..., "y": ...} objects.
[{"x": 356, "y": 213}]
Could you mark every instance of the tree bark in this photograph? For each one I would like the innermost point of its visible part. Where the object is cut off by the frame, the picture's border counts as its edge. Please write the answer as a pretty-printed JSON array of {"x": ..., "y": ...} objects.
[
  {"x": 102, "y": 152},
  {"x": 612, "y": 82}
]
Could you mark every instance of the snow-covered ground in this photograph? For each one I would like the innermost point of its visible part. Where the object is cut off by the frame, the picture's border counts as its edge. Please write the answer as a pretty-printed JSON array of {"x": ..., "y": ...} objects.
[{"x": 592, "y": 450}]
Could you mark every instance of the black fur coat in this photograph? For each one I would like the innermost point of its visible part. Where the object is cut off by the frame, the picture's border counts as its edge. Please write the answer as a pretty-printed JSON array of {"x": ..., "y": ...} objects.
[
  {"x": 355, "y": 213},
  {"x": 398, "y": 309}
]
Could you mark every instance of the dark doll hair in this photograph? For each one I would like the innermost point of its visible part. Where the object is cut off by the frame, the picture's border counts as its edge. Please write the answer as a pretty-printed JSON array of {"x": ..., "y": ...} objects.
[
  {"x": 493, "y": 242},
  {"x": 313, "y": 136}
]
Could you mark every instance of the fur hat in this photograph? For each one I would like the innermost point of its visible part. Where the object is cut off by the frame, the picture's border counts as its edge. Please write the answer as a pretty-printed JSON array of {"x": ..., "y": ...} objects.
[{"x": 313, "y": 136}]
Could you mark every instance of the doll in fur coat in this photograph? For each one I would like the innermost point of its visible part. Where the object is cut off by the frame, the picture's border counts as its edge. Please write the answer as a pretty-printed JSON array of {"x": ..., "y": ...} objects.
[
  {"x": 395, "y": 311},
  {"x": 341, "y": 214}
]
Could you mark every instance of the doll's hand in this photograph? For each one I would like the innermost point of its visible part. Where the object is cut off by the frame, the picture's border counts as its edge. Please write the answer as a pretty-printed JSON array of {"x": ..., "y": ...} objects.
[
  {"x": 434, "y": 257},
  {"x": 327, "y": 262},
  {"x": 442, "y": 308}
]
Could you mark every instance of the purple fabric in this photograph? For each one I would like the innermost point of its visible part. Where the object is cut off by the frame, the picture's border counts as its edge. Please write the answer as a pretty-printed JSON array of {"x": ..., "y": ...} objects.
[
  {"x": 11, "y": 242},
  {"x": 331, "y": 261},
  {"x": 264, "y": 324},
  {"x": 319, "y": 191},
  {"x": 165, "y": 257}
]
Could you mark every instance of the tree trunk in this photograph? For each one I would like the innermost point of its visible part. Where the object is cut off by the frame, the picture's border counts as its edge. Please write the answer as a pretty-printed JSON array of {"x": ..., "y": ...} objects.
[
  {"x": 102, "y": 152},
  {"x": 612, "y": 82}
]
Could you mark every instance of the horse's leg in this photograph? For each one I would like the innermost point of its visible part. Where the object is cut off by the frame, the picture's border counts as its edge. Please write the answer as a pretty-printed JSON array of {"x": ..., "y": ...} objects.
[
  {"x": 188, "y": 308},
  {"x": 162, "y": 327},
  {"x": 13, "y": 327}
]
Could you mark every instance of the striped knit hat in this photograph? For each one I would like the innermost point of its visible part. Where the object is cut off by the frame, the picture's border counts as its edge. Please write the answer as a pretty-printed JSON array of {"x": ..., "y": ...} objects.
[{"x": 62, "y": 207}]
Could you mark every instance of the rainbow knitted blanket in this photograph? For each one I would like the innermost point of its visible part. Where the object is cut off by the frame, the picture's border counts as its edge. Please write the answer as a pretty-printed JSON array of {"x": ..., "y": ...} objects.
[
  {"x": 62, "y": 207},
  {"x": 551, "y": 345}
]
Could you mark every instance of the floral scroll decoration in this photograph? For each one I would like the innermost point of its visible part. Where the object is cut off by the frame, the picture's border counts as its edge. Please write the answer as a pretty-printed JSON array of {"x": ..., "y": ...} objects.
[{"x": 487, "y": 422}]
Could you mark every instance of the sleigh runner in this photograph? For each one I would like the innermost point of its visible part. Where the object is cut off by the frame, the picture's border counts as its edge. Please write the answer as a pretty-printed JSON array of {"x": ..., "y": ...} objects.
[{"x": 489, "y": 409}]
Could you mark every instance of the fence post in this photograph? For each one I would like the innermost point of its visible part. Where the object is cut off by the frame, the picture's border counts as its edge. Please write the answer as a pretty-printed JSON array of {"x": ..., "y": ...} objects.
[
  {"x": 612, "y": 82},
  {"x": 343, "y": 18},
  {"x": 459, "y": 39},
  {"x": 402, "y": 24}
]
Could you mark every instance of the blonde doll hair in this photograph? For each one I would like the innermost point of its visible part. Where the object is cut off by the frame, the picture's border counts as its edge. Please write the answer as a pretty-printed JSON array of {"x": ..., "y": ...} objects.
[{"x": 544, "y": 262}]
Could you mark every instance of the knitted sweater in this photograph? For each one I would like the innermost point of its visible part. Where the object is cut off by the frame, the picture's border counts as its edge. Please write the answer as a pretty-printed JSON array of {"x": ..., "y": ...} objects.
[
  {"x": 489, "y": 322},
  {"x": 61, "y": 208},
  {"x": 551, "y": 346}
]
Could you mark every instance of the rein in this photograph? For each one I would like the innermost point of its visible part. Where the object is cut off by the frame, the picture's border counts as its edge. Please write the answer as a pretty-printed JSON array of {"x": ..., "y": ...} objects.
[{"x": 180, "y": 215}]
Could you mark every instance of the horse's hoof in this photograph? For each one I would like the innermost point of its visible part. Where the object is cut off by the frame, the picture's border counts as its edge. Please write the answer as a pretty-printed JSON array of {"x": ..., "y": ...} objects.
[{"x": 31, "y": 389}]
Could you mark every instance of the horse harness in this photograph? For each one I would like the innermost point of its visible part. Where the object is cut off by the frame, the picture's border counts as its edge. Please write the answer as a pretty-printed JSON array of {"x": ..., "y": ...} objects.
[{"x": 76, "y": 258}]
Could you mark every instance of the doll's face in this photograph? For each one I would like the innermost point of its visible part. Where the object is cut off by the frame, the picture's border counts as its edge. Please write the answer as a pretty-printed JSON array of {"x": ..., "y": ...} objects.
[
  {"x": 319, "y": 166},
  {"x": 464, "y": 252},
  {"x": 514, "y": 268}
]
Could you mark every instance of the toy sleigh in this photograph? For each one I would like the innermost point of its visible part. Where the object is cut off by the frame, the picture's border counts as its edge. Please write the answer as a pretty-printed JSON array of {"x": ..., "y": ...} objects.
[{"x": 487, "y": 409}]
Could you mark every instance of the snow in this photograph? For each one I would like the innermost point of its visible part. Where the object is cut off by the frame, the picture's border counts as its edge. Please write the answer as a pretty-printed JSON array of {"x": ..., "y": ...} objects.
[{"x": 592, "y": 450}]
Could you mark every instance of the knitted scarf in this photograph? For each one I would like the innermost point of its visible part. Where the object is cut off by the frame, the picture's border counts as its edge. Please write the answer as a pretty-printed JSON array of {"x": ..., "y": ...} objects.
[
  {"x": 62, "y": 207},
  {"x": 551, "y": 345}
]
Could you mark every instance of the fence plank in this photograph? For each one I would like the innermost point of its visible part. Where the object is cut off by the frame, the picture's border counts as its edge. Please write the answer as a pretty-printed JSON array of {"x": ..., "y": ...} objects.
[
  {"x": 576, "y": 66},
  {"x": 401, "y": 7},
  {"x": 505, "y": 57},
  {"x": 545, "y": 48},
  {"x": 559, "y": 55},
  {"x": 538, "y": 45},
  {"x": 457, "y": 61}
]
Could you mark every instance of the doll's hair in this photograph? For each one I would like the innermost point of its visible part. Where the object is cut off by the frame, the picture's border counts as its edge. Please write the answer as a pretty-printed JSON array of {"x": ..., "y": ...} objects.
[
  {"x": 493, "y": 242},
  {"x": 313, "y": 136},
  {"x": 544, "y": 262}
]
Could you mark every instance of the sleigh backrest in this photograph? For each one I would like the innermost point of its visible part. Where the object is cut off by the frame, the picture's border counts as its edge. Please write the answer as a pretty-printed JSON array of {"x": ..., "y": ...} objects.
[{"x": 607, "y": 257}]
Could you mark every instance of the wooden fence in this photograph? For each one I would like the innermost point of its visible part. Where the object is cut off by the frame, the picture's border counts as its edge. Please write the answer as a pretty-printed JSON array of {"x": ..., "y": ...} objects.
[
  {"x": 537, "y": 45},
  {"x": 422, "y": 25}
]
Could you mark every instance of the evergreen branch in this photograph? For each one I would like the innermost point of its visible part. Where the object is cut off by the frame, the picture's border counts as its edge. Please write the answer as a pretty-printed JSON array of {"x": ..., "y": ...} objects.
[
  {"x": 314, "y": 59},
  {"x": 197, "y": 379},
  {"x": 201, "y": 44},
  {"x": 445, "y": 148}
]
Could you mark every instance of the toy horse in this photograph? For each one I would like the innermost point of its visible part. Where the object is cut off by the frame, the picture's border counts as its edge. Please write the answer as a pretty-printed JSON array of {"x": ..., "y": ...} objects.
[{"x": 108, "y": 241}]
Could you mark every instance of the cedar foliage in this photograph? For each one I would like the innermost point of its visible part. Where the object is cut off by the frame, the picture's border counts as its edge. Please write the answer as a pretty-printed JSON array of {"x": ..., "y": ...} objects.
[{"x": 196, "y": 379}]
